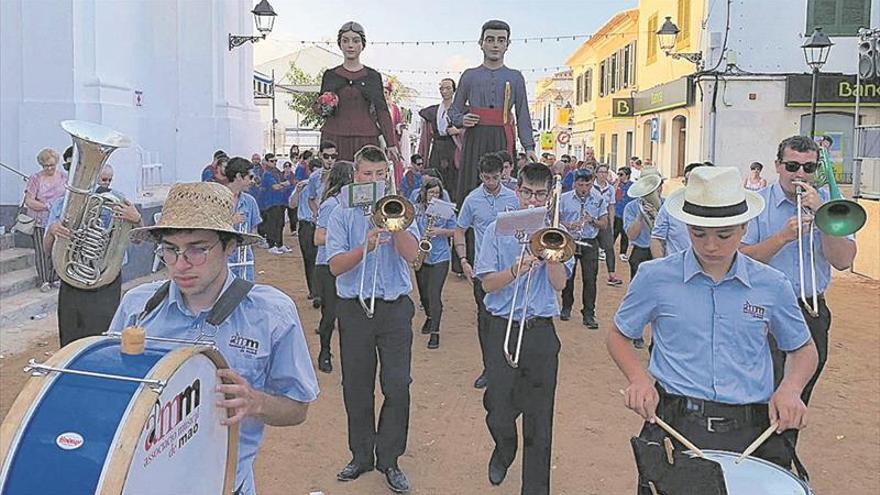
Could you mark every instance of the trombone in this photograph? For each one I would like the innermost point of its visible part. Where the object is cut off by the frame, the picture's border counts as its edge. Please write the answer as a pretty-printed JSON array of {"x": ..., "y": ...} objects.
[
  {"x": 548, "y": 244},
  {"x": 837, "y": 217},
  {"x": 392, "y": 213}
]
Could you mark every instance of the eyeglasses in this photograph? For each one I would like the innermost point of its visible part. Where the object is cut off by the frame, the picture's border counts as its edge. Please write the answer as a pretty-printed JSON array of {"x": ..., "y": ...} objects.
[
  {"x": 566, "y": 161},
  {"x": 273, "y": 161},
  {"x": 330, "y": 156},
  {"x": 793, "y": 166},
  {"x": 620, "y": 174},
  {"x": 420, "y": 163},
  {"x": 195, "y": 256},
  {"x": 540, "y": 195}
]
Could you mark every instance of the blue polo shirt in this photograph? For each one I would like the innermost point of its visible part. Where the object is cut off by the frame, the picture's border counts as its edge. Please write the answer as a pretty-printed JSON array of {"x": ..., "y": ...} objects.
[
  {"x": 498, "y": 253},
  {"x": 277, "y": 363},
  {"x": 346, "y": 230},
  {"x": 271, "y": 197},
  {"x": 312, "y": 190},
  {"x": 324, "y": 212},
  {"x": 572, "y": 205},
  {"x": 608, "y": 192},
  {"x": 672, "y": 231},
  {"x": 622, "y": 199},
  {"x": 411, "y": 181},
  {"x": 439, "y": 245},
  {"x": 710, "y": 339},
  {"x": 480, "y": 208},
  {"x": 632, "y": 214},
  {"x": 774, "y": 217},
  {"x": 247, "y": 206}
]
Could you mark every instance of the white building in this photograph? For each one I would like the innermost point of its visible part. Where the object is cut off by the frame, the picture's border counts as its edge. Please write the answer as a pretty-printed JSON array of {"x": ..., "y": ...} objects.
[{"x": 158, "y": 71}]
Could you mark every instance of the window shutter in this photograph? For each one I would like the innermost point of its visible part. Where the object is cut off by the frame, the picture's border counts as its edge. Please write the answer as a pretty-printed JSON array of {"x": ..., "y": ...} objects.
[
  {"x": 838, "y": 17},
  {"x": 652, "y": 39}
]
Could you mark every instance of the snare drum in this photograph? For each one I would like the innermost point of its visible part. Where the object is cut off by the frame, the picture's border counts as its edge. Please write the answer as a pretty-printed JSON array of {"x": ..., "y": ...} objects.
[
  {"x": 755, "y": 476},
  {"x": 94, "y": 420}
]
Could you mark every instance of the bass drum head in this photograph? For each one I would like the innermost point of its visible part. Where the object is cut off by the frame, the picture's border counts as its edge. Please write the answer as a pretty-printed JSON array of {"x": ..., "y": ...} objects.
[
  {"x": 182, "y": 447},
  {"x": 754, "y": 476}
]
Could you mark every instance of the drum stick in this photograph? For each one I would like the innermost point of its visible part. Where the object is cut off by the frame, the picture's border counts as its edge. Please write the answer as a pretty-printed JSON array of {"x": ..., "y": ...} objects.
[
  {"x": 678, "y": 436},
  {"x": 757, "y": 443}
]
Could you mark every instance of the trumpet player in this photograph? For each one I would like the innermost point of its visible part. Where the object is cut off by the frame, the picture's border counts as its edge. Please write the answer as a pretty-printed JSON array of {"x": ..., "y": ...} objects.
[
  {"x": 772, "y": 239},
  {"x": 530, "y": 389},
  {"x": 240, "y": 174},
  {"x": 387, "y": 334},
  {"x": 431, "y": 275},
  {"x": 584, "y": 212}
]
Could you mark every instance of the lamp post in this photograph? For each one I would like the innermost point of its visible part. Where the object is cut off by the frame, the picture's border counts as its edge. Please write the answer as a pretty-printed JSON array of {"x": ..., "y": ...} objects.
[
  {"x": 816, "y": 49},
  {"x": 666, "y": 37},
  {"x": 264, "y": 17}
]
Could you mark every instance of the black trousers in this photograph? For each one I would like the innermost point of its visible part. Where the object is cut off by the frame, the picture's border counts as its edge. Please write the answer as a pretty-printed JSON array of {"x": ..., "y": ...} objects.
[
  {"x": 479, "y": 294},
  {"x": 606, "y": 242},
  {"x": 327, "y": 292},
  {"x": 291, "y": 218},
  {"x": 274, "y": 225},
  {"x": 388, "y": 336},
  {"x": 305, "y": 232},
  {"x": 589, "y": 260},
  {"x": 83, "y": 313},
  {"x": 620, "y": 231},
  {"x": 261, "y": 228},
  {"x": 430, "y": 280},
  {"x": 529, "y": 390},
  {"x": 638, "y": 256}
]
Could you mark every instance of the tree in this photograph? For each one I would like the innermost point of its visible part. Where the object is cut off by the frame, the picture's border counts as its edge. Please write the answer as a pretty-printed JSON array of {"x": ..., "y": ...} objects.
[{"x": 301, "y": 102}]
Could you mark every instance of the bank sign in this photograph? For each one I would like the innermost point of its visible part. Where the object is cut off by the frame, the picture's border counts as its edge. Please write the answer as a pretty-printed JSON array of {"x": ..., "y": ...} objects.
[
  {"x": 678, "y": 93},
  {"x": 833, "y": 90}
]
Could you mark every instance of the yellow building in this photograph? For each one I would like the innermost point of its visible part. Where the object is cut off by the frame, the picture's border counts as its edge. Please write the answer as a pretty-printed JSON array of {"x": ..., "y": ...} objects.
[
  {"x": 551, "y": 108},
  {"x": 664, "y": 105}
]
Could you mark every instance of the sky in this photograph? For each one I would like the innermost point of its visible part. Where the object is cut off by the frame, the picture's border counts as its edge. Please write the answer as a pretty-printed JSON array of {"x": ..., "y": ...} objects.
[{"x": 419, "y": 20}]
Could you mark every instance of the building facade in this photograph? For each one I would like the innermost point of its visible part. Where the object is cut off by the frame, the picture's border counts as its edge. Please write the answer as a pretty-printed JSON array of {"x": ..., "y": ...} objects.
[{"x": 551, "y": 111}]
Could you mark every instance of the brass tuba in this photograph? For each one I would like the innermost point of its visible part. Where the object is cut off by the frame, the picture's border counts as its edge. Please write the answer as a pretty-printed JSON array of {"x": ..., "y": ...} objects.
[
  {"x": 92, "y": 257},
  {"x": 647, "y": 190}
]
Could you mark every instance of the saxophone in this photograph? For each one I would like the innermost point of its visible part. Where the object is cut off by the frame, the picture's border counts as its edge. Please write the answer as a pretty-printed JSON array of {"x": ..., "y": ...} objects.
[
  {"x": 92, "y": 257},
  {"x": 424, "y": 245}
]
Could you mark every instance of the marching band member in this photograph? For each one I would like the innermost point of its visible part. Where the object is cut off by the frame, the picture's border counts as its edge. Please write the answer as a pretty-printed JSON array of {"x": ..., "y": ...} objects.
[
  {"x": 772, "y": 239},
  {"x": 340, "y": 175},
  {"x": 431, "y": 276},
  {"x": 239, "y": 172},
  {"x": 478, "y": 210},
  {"x": 270, "y": 380},
  {"x": 710, "y": 308},
  {"x": 605, "y": 186},
  {"x": 584, "y": 213},
  {"x": 670, "y": 235},
  {"x": 530, "y": 389},
  {"x": 313, "y": 193},
  {"x": 388, "y": 333}
]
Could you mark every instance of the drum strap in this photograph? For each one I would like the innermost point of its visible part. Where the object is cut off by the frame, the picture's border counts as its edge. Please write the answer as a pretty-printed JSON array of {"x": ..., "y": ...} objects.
[{"x": 229, "y": 300}]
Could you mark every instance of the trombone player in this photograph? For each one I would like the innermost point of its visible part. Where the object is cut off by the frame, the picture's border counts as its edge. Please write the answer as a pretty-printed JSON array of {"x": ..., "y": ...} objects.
[
  {"x": 530, "y": 389},
  {"x": 772, "y": 238},
  {"x": 356, "y": 249}
]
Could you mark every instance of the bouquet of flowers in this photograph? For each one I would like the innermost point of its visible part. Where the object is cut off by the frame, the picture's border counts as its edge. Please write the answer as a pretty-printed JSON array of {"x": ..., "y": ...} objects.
[{"x": 327, "y": 104}]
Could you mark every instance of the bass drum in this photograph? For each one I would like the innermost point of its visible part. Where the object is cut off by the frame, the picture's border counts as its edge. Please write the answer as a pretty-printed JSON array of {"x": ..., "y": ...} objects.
[
  {"x": 755, "y": 476},
  {"x": 133, "y": 424}
]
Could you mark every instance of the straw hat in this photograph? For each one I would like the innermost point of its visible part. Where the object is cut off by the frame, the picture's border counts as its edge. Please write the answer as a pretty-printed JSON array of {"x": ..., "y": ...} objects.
[
  {"x": 196, "y": 206},
  {"x": 648, "y": 182},
  {"x": 714, "y": 197}
]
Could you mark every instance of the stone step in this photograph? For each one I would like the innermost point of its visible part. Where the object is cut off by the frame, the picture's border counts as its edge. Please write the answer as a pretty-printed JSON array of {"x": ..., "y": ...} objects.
[
  {"x": 12, "y": 259},
  {"x": 31, "y": 304},
  {"x": 17, "y": 281}
]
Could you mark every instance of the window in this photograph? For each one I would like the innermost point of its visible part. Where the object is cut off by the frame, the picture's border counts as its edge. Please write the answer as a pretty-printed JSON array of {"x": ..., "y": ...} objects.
[
  {"x": 684, "y": 25},
  {"x": 838, "y": 17},
  {"x": 612, "y": 158},
  {"x": 652, "y": 39},
  {"x": 588, "y": 85},
  {"x": 602, "y": 82},
  {"x": 632, "y": 63},
  {"x": 578, "y": 88},
  {"x": 613, "y": 69},
  {"x": 602, "y": 148}
]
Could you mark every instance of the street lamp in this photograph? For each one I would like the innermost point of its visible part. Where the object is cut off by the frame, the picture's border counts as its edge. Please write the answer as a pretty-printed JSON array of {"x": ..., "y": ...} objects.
[
  {"x": 666, "y": 37},
  {"x": 816, "y": 49},
  {"x": 264, "y": 17}
]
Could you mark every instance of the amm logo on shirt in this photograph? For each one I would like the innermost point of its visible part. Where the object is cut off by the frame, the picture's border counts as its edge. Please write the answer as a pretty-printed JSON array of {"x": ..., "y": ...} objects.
[{"x": 244, "y": 344}]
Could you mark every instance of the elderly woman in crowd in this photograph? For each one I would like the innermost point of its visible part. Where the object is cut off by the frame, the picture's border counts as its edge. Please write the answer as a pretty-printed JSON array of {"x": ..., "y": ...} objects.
[{"x": 43, "y": 188}]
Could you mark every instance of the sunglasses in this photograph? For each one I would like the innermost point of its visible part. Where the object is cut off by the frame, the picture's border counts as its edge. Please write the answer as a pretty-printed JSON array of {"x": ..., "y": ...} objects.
[
  {"x": 793, "y": 166},
  {"x": 329, "y": 156},
  {"x": 273, "y": 161}
]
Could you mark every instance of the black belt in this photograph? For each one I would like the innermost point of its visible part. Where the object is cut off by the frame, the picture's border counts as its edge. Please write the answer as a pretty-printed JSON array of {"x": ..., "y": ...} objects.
[
  {"x": 438, "y": 137},
  {"x": 385, "y": 301},
  {"x": 530, "y": 322},
  {"x": 717, "y": 416}
]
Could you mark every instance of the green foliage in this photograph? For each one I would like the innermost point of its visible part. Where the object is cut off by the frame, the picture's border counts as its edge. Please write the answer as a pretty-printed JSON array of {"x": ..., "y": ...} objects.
[{"x": 302, "y": 102}]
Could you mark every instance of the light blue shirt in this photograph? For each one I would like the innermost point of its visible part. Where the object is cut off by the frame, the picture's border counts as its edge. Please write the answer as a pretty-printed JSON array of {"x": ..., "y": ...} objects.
[
  {"x": 672, "y": 231},
  {"x": 324, "y": 212},
  {"x": 479, "y": 209},
  {"x": 248, "y": 207},
  {"x": 499, "y": 253},
  {"x": 346, "y": 230},
  {"x": 274, "y": 360},
  {"x": 574, "y": 208},
  {"x": 632, "y": 214},
  {"x": 439, "y": 245},
  {"x": 710, "y": 339},
  {"x": 776, "y": 213},
  {"x": 608, "y": 192},
  {"x": 311, "y": 190}
]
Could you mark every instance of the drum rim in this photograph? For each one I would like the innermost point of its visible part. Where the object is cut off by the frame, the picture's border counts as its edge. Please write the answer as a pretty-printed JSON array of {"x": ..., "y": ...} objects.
[
  {"x": 29, "y": 398},
  {"x": 735, "y": 455},
  {"x": 116, "y": 467}
]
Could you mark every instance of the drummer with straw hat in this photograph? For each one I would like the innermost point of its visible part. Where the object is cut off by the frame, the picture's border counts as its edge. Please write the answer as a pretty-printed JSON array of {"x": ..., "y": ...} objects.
[
  {"x": 256, "y": 328},
  {"x": 710, "y": 308}
]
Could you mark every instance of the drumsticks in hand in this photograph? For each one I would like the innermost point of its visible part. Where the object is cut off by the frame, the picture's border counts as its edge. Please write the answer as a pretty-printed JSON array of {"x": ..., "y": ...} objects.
[
  {"x": 675, "y": 434},
  {"x": 758, "y": 441}
]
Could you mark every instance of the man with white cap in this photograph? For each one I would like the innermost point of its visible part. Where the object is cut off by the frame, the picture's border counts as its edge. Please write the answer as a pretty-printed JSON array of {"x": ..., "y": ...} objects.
[
  {"x": 710, "y": 308},
  {"x": 270, "y": 379}
]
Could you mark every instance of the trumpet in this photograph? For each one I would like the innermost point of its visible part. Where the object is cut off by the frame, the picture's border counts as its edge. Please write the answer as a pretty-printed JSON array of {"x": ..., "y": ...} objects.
[
  {"x": 241, "y": 258},
  {"x": 392, "y": 213},
  {"x": 548, "y": 244}
]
